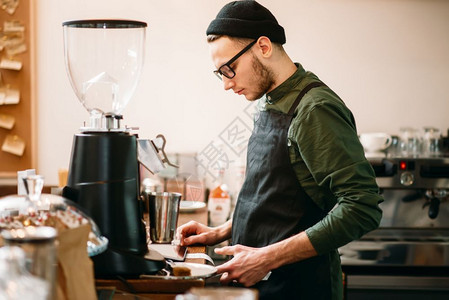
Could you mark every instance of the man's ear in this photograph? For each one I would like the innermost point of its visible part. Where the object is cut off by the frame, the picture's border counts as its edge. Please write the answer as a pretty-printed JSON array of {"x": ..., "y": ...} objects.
[{"x": 265, "y": 46}]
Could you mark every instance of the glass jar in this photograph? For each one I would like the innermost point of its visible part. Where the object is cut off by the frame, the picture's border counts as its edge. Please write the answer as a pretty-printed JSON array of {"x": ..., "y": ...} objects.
[
  {"x": 410, "y": 142},
  {"x": 38, "y": 244},
  {"x": 431, "y": 142},
  {"x": 16, "y": 282}
]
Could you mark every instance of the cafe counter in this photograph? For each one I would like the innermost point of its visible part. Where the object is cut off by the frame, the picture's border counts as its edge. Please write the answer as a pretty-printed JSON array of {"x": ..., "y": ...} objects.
[{"x": 160, "y": 289}]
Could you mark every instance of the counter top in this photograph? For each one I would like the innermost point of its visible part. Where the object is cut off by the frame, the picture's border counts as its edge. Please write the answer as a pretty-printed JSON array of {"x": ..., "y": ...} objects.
[
  {"x": 161, "y": 288},
  {"x": 199, "y": 215}
]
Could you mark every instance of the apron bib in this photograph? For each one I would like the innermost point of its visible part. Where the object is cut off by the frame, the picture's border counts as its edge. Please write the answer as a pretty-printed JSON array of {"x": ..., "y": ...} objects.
[{"x": 273, "y": 206}]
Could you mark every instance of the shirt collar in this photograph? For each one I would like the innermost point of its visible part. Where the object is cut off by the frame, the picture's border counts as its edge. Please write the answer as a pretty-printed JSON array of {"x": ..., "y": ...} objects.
[{"x": 285, "y": 87}]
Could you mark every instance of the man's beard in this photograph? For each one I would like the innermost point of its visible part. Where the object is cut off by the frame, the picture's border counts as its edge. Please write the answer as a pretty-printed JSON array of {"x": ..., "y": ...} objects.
[{"x": 263, "y": 79}]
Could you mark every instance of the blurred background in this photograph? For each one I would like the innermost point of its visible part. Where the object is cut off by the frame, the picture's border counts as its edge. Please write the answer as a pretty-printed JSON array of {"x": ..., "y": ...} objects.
[{"x": 387, "y": 59}]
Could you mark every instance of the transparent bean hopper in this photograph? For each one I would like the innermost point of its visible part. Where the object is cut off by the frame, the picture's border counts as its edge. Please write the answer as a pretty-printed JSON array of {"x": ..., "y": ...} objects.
[{"x": 104, "y": 60}]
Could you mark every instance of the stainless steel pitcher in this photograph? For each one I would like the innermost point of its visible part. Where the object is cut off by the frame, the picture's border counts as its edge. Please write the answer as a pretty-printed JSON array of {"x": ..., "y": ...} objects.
[{"x": 163, "y": 208}]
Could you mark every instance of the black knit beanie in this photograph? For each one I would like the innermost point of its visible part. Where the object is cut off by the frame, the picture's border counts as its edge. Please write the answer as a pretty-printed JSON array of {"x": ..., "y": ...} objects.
[{"x": 247, "y": 19}]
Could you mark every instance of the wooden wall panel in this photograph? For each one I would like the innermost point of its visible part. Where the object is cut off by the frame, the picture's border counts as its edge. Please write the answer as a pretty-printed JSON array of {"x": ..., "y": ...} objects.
[{"x": 23, "y": 111}]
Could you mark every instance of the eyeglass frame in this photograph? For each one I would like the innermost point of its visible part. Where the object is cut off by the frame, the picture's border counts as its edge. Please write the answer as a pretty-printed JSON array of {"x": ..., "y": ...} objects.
[{"x": 220, "y": 74}]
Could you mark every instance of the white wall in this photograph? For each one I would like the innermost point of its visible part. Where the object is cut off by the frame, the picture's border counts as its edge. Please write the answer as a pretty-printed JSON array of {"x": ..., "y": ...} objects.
[{"x": 387, "y": 59}]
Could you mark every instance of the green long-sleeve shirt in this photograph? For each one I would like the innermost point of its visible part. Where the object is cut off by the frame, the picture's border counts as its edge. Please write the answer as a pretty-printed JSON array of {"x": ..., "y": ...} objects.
[{"x": 329, "y": 161}]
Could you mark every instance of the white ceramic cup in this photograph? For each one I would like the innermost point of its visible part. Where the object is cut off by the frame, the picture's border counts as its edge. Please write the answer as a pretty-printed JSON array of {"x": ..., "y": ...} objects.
[{"x": 375, "y": 141}]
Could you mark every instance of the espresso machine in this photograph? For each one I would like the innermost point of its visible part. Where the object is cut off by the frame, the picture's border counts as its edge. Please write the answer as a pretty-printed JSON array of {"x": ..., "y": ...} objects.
[
  {"x": 408, "y": 255},
  {"x": 104, "y": 60}
]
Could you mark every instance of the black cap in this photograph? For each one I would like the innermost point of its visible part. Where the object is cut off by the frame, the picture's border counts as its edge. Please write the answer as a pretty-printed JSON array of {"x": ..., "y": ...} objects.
[{"x": 247, "y": 19}]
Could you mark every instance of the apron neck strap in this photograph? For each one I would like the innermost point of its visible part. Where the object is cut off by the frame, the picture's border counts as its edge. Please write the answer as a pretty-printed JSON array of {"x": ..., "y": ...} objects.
[{"x": 302, "y": 93}]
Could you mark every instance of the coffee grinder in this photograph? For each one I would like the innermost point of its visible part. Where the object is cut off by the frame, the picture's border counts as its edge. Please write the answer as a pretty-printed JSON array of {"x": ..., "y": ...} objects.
[{"x": 104, "y": 60}]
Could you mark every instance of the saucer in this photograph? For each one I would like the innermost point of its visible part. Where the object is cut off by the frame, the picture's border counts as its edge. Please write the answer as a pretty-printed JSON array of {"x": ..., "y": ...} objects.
[
  {"x": 197, "y": 271},
  {"x": 191, "y": 206}
]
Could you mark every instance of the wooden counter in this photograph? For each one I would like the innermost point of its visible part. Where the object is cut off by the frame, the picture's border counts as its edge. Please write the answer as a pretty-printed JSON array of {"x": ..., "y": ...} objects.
[
  {"x": 158, "y": 289},
  {"x": 162, "y": 289},
  {"x": 199, "y": 216}
]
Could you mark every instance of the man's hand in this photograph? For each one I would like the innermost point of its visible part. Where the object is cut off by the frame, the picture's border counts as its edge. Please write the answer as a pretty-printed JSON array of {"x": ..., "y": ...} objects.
[
  {"x": 247, "y": 267},
  {"x": 250, "y": 265},
  {"x": 196, "y": 233}
]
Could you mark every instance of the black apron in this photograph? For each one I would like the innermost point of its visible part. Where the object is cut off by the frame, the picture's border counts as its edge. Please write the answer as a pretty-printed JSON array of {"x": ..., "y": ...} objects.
[{"x": 273, "y": 206}]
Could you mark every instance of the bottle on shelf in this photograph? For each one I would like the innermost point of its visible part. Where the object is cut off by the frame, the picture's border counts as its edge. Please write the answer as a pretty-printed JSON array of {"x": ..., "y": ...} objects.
[
  {"x": 219, "y": 208},
  {"x": 219, "y": 203}
]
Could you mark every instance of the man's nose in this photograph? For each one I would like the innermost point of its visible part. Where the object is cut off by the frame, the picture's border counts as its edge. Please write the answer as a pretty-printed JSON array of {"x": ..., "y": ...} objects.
[{"x": 227, "y": 83}]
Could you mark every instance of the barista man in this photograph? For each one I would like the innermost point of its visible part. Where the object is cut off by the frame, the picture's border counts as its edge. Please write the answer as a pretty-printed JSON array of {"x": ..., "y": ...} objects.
[{"x": 304, "y": 158}]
